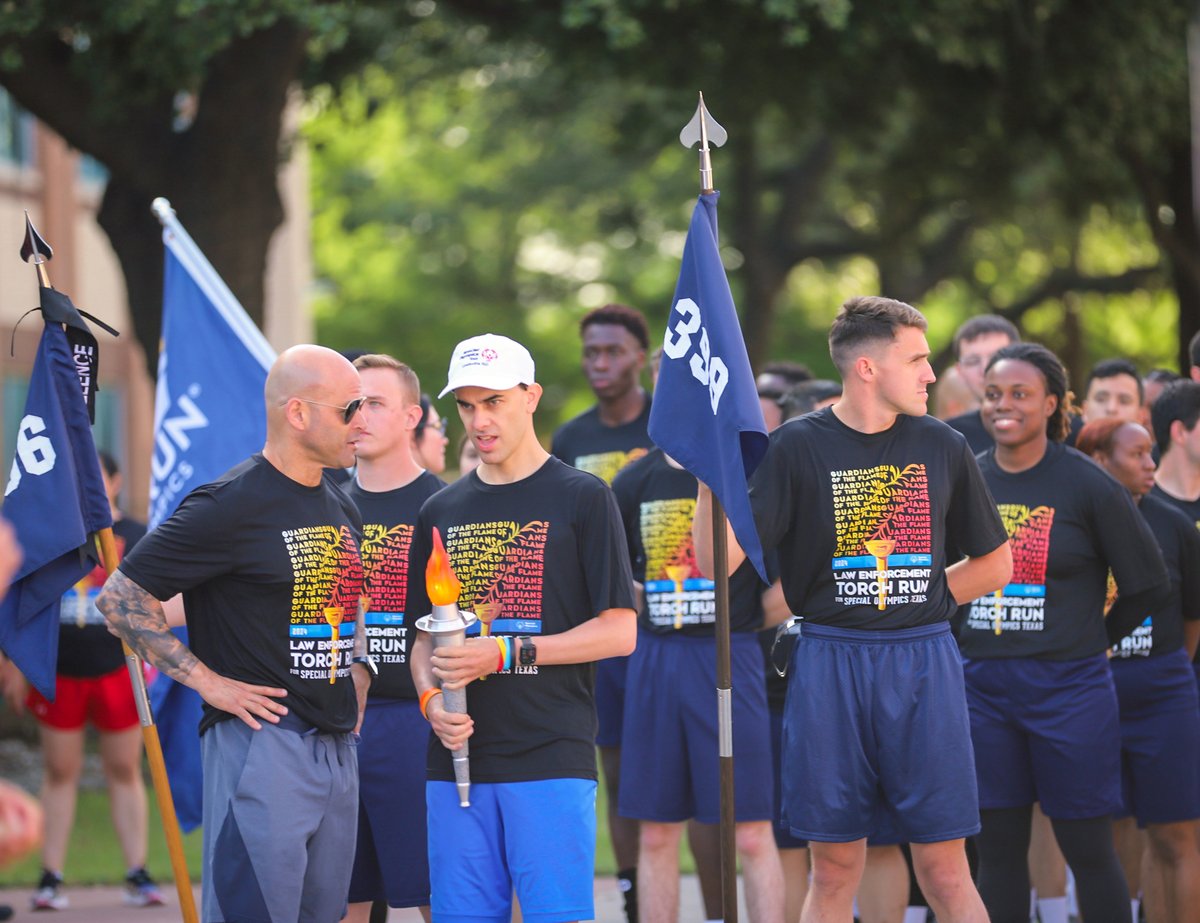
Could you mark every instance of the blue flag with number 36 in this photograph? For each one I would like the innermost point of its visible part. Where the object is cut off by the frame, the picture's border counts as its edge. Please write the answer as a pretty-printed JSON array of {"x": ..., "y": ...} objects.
[{"x": 55, "y": 500}]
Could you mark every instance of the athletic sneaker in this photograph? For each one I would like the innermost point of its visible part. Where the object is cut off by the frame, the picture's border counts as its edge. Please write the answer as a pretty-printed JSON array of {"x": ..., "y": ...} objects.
[
  {"x": 49, "y": 894},
  {"x": 141, "y": 891}
]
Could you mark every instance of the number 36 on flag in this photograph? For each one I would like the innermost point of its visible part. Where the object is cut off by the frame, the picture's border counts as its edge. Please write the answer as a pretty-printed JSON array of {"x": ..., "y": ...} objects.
[
  {"x": 707, "y": 369},
  {"x": 34, "y": 452}
]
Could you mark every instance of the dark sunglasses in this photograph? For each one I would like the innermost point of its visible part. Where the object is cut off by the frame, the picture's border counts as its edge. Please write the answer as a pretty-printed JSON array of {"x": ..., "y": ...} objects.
[{"x": 348, "y": 411}]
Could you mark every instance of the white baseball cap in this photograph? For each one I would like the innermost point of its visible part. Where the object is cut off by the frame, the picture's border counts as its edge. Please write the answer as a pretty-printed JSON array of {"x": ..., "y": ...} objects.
[{"x": 489, "y": 361}]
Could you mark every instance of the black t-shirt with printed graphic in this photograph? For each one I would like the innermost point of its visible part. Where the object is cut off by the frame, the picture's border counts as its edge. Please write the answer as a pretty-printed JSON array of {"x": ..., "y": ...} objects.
[
  {"x": 539, "y": 557},
  {"x": 1068, "y": 523},
  {"x": 85, "y": 645},
  {"x": 587, "y": 444},
  {"x": 271, "y": 579},
  {"x": 970, "y": 424},
  {"x": 657, "y": 503},
  {"x": 389, "y": 518},
  {"x": 1162, "y": 632},
  {"x": 845, "y": 508}
]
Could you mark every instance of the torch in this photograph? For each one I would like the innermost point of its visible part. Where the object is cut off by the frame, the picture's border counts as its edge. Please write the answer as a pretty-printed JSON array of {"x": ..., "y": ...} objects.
[
  {"x": 448, "y": 627},
  {"x": 880, "y": 548}
]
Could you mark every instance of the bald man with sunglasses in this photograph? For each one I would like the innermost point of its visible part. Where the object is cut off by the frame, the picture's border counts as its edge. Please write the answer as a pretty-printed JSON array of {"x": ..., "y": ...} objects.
[{"x": 267, "y": 561}]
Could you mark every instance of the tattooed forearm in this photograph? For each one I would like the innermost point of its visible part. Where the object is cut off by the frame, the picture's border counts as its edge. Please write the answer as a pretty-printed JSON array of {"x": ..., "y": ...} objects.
[{"x": 138, "y": 619}]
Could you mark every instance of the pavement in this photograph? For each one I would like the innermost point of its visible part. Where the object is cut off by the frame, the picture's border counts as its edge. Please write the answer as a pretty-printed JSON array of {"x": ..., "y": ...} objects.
[{"x": 105, "y": 905}]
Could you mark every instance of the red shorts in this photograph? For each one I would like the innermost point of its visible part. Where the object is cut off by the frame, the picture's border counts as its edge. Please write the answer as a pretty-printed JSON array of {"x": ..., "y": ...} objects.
[{"x": 106, "y": 700}]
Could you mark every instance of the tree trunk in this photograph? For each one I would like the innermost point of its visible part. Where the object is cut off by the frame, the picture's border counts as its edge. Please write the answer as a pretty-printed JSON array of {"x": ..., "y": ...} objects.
[{"x": 219, "y": 172}]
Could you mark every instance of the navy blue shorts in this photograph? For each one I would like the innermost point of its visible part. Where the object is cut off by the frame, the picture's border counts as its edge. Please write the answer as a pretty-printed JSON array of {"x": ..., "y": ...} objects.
[
  {"x": 670, "y": 764},
  {"x": 535, "y": 838},
  {"x": 610, "y": 700},
  {"x": 1048, "y": 731},
  {"x": 391, "y": 861},
  {"x": 1160, "y": 738},
  {"x": 783, "y": 836},
  {"x": 876, "y": 737}
]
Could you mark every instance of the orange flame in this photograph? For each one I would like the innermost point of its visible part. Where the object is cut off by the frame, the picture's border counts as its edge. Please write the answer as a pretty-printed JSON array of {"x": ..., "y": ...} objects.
[{"x": 441, "y": 584}]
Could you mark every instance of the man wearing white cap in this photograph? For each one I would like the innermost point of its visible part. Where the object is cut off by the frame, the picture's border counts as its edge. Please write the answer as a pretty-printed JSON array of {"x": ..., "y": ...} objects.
[{"x": 540, "y": 551}]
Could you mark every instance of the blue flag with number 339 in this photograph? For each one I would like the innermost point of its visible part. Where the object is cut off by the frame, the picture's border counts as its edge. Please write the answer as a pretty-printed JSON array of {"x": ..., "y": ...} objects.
[{"x": 705, "y": 413}]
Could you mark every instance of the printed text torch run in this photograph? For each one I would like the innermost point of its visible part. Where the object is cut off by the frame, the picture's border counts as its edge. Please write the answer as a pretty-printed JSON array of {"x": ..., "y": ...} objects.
[{"x": 448, "y": 626}]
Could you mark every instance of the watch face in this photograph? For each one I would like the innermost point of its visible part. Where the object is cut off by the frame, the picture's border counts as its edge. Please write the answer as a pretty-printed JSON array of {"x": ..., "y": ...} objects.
[{"x": 528, "y": 652}]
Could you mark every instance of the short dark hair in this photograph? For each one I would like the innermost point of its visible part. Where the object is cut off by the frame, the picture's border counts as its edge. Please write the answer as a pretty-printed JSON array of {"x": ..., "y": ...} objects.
[
  {"x": 981, "y": 325},
  {"x": 1180, "y": 400},
  {"x": 621, "y": 315},
  {"x": 1054, "y": 373},
  {"x": 1194, "y": 348},
  {"x": 802, "y": 398},
  {"x": 1111, "y": 368},
  {"x": 1165, "y": 376},
  {"x": 869, "y": 319}
]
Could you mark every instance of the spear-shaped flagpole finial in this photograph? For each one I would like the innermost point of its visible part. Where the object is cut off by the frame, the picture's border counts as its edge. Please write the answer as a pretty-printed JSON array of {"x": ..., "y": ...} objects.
[
  {"x": 37, "y": 251},
  {"x": 703, "y": 128}
]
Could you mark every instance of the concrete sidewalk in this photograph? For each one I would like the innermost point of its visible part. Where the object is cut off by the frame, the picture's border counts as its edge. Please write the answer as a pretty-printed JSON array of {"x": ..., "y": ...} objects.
[{"x": 104, "y": 905}]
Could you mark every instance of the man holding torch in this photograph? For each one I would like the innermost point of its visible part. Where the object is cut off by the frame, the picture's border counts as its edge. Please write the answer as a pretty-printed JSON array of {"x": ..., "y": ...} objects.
[{"x": 540, "y": 548}]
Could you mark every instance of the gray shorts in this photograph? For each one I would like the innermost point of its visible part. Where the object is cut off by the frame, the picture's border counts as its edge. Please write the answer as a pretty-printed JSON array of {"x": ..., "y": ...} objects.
[{"x": 280, "y": 820}]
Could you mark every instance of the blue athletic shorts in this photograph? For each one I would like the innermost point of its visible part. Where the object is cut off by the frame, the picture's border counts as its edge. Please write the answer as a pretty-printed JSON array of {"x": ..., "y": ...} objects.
[
  {"x": 610, "y": 700},
  {"x": 1048, "y": 731},
  {"x": 876, "y": 738},
  {"x": 1160, "y": 738},
  {"x": 670, "y": 763},
  {"x": 537, "y": 838},
  {"x": 783, "y": 836},
  {"x": 391, "y": 861},
  {"x": 280, "y": 811}
]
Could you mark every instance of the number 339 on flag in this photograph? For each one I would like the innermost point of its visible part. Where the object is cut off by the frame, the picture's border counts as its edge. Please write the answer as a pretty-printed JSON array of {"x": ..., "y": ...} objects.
[{"x": 707, "y": 369}]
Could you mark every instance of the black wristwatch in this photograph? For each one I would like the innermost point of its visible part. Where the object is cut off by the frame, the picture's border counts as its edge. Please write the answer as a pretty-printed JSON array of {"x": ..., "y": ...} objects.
[
  {"x": 369, "y": 662},
  {"x": 528, "y": 651}
]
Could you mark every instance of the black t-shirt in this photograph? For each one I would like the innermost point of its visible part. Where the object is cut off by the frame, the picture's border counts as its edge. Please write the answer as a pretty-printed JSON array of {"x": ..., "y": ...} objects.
[
  {"x": 970, "y": 424},
  {"x": 1068, "y": 523},
  {"x": 388, "y": 521},
  {"x": 1190, "y": 508},
  {"x": 1162, "y": 631},
  {"x": 85, "y": 645},
  {"x": 539, "y": 556},
  {"x": 846, "y": 508},
  {"x": 657, "y": 503},
  {"x": 271, "y": 577},
  {"x": 587, "y": 444}
]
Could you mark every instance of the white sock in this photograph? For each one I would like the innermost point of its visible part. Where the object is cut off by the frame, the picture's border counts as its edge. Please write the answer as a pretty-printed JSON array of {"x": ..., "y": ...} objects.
[
  {"x": 1134, "y": 905},
  {"x": 916, "y": 915},
  {"x": 1052, "y": 909},
  {"x": 1072, "y": 898},
  {"x": 1032, "y": 905}
]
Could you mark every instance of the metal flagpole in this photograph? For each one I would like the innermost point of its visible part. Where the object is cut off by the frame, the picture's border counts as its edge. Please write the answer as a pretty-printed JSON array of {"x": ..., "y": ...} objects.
[
  {"x": 39, "y": 253},
  {"x": 703, "y": 128}
]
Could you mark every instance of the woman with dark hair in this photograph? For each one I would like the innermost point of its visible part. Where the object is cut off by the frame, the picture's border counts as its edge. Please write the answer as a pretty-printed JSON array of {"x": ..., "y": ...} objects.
[
  {"x": 1044, "y": 717},
  {"x": 1156, "y": 691},
  {"x": 429, "y": 438}
]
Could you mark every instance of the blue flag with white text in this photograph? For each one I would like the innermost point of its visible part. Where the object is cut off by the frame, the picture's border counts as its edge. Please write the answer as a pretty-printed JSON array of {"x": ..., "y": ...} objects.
[
  {"x": 55, "y": 500},
  {"x": 208, "y": 416},
  {"x": 705, "y": 413}
]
